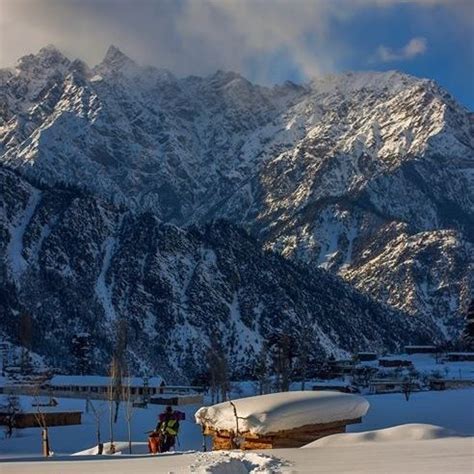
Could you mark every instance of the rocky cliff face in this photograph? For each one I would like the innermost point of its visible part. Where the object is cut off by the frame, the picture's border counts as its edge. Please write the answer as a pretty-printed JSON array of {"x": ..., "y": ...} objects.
[
  {"x": 368, "y": 175},
  {"x": 77, "y": 264}
]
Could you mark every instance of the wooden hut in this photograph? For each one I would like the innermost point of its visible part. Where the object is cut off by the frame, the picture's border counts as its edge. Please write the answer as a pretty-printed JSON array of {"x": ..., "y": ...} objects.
[
  {"x": 280, "y": 420},
  {"x": 51, "y": 418},
  {"x": 291, "y": 438}
]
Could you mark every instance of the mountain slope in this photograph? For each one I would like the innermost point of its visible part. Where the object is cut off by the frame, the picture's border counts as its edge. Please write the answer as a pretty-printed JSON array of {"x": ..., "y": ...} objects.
[
  {"x": 369, "y": 175},
  {"x": 78, "y": 264}
]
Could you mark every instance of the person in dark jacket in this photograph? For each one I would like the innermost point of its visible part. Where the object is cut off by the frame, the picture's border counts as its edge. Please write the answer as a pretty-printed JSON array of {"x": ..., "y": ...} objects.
[{"x": 168, "y": 428}]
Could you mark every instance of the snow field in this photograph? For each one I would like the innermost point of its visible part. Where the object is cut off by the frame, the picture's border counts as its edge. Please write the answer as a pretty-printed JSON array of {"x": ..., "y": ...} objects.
[{"x": 377, "y": 445}]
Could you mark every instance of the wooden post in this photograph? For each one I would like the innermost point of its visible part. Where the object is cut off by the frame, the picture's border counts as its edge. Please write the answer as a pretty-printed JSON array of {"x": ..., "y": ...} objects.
[{"x": 204, "y": 446}]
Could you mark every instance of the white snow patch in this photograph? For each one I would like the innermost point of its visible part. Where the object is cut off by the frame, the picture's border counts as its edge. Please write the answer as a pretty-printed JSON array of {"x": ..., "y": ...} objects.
[
  {"x": 283, "y": 411},
  {"x": 351, "y": 235},
  {"x": 244, "y": 333},
  {"x": 149, "y": 325},
  {"x": 17, "y": 230},
  {"x": 101, "y": 289},
  {"x": 121, "y": 447}
]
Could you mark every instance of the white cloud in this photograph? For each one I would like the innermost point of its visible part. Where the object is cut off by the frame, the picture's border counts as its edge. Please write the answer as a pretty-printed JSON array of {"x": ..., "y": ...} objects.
[
  {"x": 415, "y": 47},
  {"x": 262, "y": 39}
]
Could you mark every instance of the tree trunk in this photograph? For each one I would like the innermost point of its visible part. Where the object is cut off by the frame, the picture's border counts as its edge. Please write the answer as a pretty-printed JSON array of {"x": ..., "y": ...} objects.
[
  {"x": 45, "y": 442},
  {"x": 129, "y": 437}
]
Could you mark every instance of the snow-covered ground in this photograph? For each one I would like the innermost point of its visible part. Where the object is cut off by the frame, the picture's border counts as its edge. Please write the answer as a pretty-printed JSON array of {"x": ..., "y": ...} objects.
[
  {"x": 439, "y": 455},
  {"x": 71, "y": 439},
  {"x": 451, "y": 409}
]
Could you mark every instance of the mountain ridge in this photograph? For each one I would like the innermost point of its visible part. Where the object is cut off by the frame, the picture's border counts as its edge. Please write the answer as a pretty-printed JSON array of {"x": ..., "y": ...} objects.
[
  {"x": 363, "y": 174},
  {"x": 77, "y": 264}
]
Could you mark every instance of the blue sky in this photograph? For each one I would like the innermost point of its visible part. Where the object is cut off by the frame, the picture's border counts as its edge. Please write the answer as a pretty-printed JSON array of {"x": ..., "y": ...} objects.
[
  {"x": 267, "y": 41},
  {"x": 449, "y": 54}
]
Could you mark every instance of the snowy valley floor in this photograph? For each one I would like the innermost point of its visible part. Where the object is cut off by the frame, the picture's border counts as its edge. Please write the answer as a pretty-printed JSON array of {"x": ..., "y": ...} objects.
[
  {"x": 452, "y": 455},
  {"x": 450, "y": 409}
]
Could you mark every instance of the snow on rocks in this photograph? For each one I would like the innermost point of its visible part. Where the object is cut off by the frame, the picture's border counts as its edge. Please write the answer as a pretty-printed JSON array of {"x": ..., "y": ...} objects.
[
  {"x": 410, "y": 431},
  {"x": 283, "y": 411},
  {"x": 235, "y": 462}
]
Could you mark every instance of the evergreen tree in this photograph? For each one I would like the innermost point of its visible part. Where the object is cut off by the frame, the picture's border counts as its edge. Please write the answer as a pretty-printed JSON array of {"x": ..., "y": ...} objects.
[
  {"x": 261, "y": 370},
  {"x": 81, "y": 351},
  {"x": 283, "y": 350},
  {"x": 467, "y": 337},
  {"x": 25, "y": 336}
]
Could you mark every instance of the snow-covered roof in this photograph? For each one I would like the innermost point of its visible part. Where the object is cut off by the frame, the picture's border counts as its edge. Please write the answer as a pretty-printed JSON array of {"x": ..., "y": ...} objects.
[
  {"x": 421, "y": 347},
  {"x": 460, "y": 353},
  {"x": 283, "y": 411},
  {"x": 100, "y": 381},
  {"x": 331, "y": 383},
  {"x": 396, "y": 357}
]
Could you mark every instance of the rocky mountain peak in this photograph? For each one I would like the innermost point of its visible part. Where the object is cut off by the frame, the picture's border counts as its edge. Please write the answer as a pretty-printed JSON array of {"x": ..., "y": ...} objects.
[
  {"x": 224, "y": 77},
  {"x": 48, "y": 57},
  {"x": 115, "y": 61}
]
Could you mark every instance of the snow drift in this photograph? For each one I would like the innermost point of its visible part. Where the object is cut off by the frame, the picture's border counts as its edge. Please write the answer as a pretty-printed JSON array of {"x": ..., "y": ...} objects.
[{"x": 411, "y": 431}]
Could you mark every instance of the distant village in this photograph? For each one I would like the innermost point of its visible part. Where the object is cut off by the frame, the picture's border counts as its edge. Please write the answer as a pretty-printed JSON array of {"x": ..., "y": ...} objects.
[{"x": 418, "y": 368}]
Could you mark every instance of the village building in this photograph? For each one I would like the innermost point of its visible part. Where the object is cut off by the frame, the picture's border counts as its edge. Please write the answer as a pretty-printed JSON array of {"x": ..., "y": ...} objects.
[
  {"x": 30, "y": 419},
  {"x": 337, "y": 368},
  {"x": 366, "y": 356},
  {"x": 427, "y": 349},
  {"x": 391, "y": 386},
  {"x": 335, "y": 386},
  {"x": 450, "y": 384},
  {"x": 149, "y": 389},
  {"x": 395, "y": 363},
  {"x": 459, "y": 357}
]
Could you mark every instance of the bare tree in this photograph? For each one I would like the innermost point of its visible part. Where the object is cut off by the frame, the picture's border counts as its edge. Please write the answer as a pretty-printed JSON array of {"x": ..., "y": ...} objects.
[
  {"x": 406, "y": 389},
  {"x": 408, "y": 385},
  {"x": 129, "y": 410},
  {"x": 117, "y": 367},
  {"x": 218, "y": 370},
  {"x": 41, "y": 418},
  {"x": 113, "y": 396},
  {"x": 119, "y": 363},
  {"x": 98, "y": 410}
]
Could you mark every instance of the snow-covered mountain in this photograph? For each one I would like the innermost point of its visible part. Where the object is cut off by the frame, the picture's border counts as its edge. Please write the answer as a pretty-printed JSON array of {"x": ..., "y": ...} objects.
[
  {"x": 368, "y": 175},
  {"x": 78, "y": 264}
]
